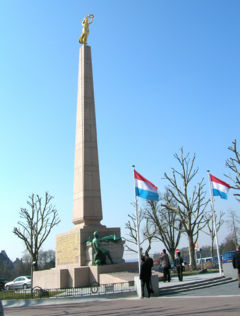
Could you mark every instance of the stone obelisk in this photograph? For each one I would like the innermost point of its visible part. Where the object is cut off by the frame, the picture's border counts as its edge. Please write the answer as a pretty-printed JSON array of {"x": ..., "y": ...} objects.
[
  {"x": 71, "y": 247},
  {"x": 74, "y": 252},
  {"x": 87, "y": 205}
]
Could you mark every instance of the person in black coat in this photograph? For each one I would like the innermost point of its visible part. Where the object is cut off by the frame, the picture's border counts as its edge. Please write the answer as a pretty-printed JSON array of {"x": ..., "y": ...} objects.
[
  {"x": 145, "y": 276},
  {"x": 236, "y": 263},
  {"x": 149, "y": 261},
  {"x": 178, "y": 264}
]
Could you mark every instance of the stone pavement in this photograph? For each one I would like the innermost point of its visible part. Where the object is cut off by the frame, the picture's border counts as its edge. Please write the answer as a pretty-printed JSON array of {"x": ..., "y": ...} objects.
[
  {"x": 127, "y": 298},
  {"x": 214, "y": 306}
]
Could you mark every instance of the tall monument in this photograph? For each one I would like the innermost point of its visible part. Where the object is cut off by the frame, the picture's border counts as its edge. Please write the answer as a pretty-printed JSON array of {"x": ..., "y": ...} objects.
[
  {"x": 87, "y": 205},
  {"x": 74, "y": 255}
]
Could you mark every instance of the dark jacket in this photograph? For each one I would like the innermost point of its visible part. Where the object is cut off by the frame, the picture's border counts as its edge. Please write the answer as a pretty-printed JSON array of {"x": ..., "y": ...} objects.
[
  {"x": 178, "y": 261},
  {"x": 236, "y": 260},
  {"x": 145, "y": 272},
  {"x": 149, "y": 261}
]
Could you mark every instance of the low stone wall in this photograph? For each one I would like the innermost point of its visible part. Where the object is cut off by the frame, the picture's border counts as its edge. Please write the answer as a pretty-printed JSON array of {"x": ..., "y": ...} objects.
[
  {"x": 61, "y": 278},
  {"x": 51, "y": 279},
  {"x": 96, "y": 271},
  {"x": 77, "y": 276}
]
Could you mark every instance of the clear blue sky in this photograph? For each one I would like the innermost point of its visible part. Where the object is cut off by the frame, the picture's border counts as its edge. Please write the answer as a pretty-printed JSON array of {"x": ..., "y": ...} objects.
[{"x": 166, "y": 75}]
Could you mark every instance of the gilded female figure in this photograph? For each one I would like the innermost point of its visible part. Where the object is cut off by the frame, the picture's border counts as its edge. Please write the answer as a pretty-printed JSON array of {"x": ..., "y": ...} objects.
[{"x": 85, "y": 31}]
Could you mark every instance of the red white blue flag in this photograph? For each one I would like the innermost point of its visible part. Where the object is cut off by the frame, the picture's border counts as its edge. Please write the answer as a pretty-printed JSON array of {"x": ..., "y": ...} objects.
[
  {"x": 219, "y": 187},
  {"x": 144, "y": 188}
]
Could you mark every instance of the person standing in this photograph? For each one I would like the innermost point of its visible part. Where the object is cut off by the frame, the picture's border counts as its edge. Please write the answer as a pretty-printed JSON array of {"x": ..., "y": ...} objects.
[
  {"x": 236, "y": 263},
  {"x": 149, "y": 261},
  {"x": 164, "y": 259},
  {"x": 178, "y": 265},
  {"x": 145, "y": 273}
]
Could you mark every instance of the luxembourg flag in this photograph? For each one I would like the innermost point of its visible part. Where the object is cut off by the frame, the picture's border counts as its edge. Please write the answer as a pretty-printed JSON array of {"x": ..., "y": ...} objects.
[
  {"x": 219, "y": 187},
  {"x": 144, "y": 188}
]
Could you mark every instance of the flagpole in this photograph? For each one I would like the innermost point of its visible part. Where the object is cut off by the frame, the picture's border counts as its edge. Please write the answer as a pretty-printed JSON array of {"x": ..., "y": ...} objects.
[
  {"x": 137, "y": 226},
  {"x": 214, "y": 223}
]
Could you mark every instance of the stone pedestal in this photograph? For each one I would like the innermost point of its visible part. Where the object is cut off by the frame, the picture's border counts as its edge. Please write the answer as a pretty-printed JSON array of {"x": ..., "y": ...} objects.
[{"x": 71, "y": 249}]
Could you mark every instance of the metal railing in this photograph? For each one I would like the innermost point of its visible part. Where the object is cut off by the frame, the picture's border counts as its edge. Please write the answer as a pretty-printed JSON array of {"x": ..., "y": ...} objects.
[{"x": 93, "y": 290}]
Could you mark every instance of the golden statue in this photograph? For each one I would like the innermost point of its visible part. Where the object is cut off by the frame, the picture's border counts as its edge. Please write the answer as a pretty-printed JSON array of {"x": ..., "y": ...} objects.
[{"x": 85, "y": 31}]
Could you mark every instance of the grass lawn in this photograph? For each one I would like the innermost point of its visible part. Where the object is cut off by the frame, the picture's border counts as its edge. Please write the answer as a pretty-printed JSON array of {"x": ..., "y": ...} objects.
[
  {"x": 195, "y": 272},
  {"x": 15, "y": 295}
]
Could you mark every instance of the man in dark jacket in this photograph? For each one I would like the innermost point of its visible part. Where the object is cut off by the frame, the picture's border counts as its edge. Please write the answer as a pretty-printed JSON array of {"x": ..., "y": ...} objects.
[
  {"x": 165, "y": 262},
  {"x": 149, "y": 261},
  {"x": 178, "y": 264},
  {"x": 145, "y": 276},
  {"x": 236, "y": 263}
]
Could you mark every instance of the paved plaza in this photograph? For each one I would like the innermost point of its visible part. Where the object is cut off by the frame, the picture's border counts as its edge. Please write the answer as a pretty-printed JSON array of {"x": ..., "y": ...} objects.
[
  {"x": 218, "y": 300},
  {"x": 169, "y": 306}
]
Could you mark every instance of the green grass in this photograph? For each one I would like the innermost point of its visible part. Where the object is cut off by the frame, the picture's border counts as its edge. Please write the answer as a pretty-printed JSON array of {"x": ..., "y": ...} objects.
[
  {"x": 12, "y": 295},
  {"x": 195, "y": 272}
]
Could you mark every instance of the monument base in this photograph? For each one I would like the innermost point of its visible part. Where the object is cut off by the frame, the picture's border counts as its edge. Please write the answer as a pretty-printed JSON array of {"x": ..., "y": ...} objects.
[
  {"x": 74, "y": 259},
  {"x": 59, "y": 278}
]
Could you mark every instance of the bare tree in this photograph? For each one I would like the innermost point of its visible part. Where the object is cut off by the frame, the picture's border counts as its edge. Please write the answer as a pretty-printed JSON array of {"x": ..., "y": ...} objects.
[
  {"x": 46, "y": 259},
  {"x": 191, "y": 200},
  {"x": 228, "y": 244},
  {"x": 233, "y": 223},
  {"x": 147, "y": 232},
  {"x": 36, "y": 223},
  {"x": 233, "y": 163},
  {"x": 210, "y": 227},
  {"x": 168, "y": 227}
]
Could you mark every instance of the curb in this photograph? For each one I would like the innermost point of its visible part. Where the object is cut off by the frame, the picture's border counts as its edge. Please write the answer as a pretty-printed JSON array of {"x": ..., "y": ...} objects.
[{"x": 70, "y": 300}]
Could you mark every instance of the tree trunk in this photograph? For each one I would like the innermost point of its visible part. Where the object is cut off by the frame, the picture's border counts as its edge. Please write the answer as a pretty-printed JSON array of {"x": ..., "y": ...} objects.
[
  {"x": 212, "y": 247},
  {"x": 192, "y": 252},
  {"x": 35, "y": 262},
  {"x": 235, "y": 235},
  {"x": 172, "y": 254}
]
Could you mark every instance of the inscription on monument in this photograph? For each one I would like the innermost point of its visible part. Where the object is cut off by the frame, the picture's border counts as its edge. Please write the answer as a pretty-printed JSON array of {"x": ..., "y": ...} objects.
[{"x": 67, "y": 249}]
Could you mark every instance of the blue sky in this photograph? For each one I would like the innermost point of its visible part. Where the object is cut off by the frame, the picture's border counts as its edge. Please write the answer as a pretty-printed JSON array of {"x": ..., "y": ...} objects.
[{"x": 166, "y": 75}]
